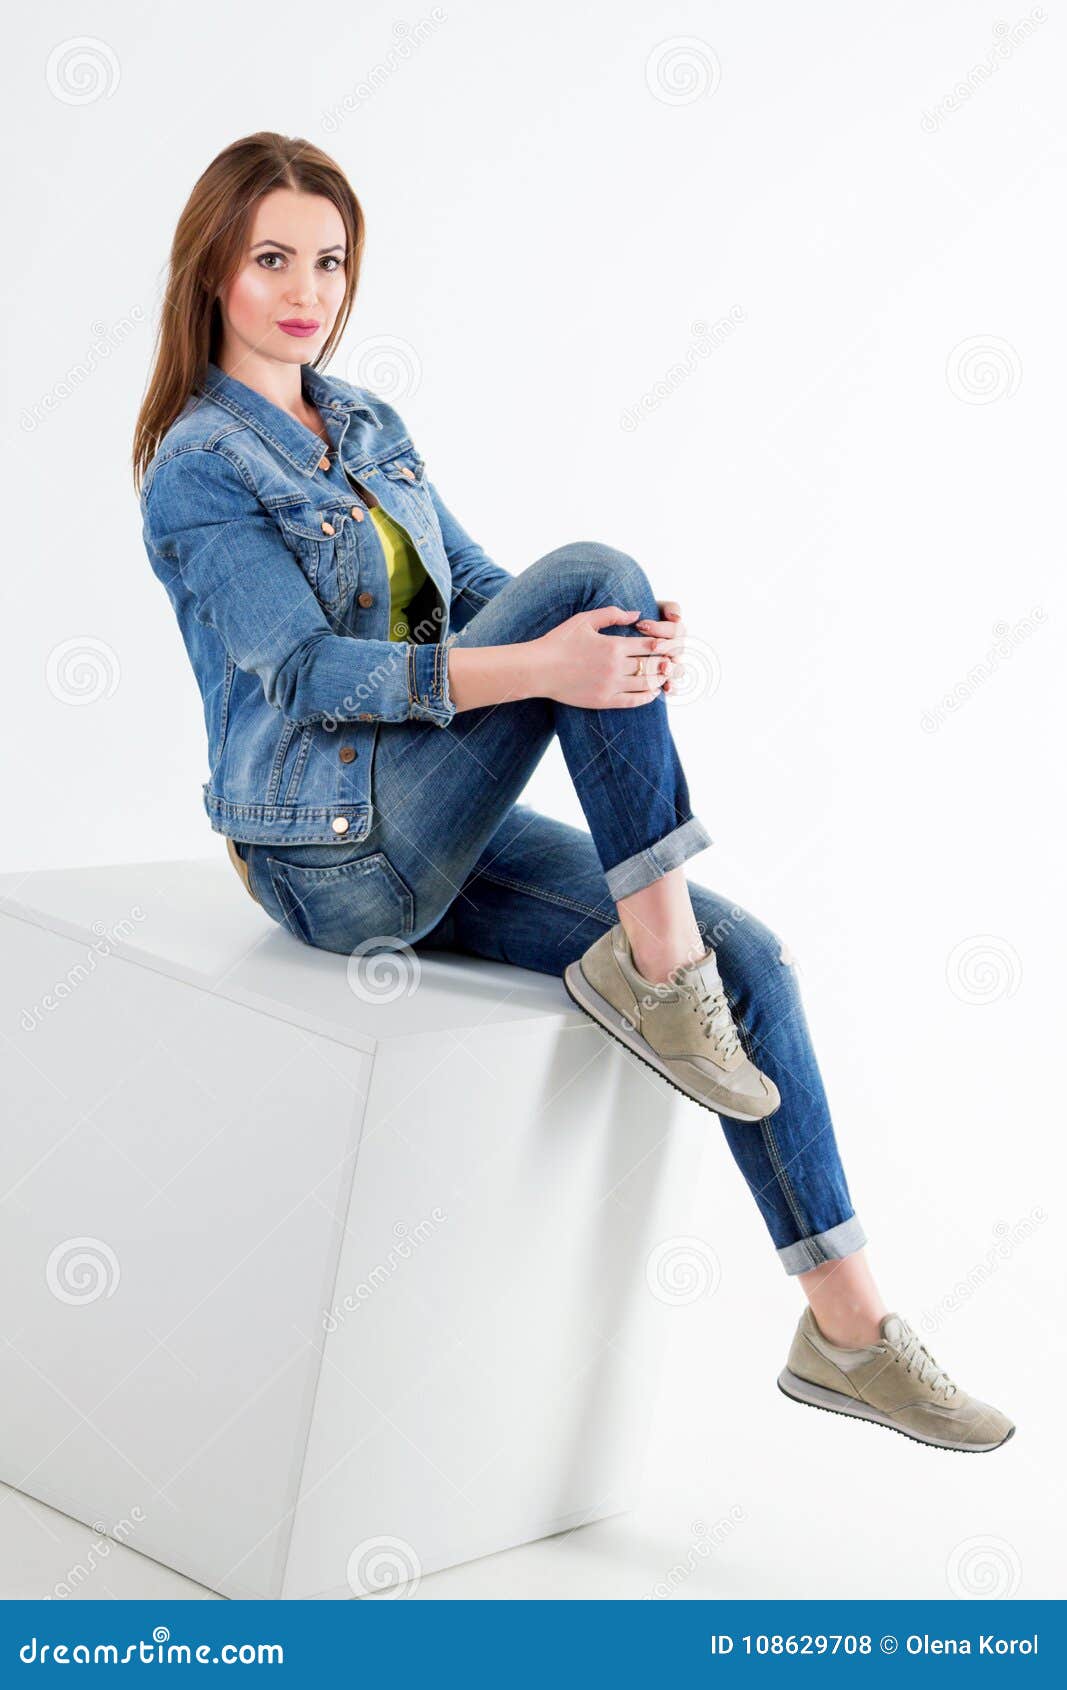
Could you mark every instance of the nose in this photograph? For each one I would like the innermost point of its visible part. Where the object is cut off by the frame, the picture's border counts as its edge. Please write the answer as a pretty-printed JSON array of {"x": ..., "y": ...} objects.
[{"x": 303, "y": 288}]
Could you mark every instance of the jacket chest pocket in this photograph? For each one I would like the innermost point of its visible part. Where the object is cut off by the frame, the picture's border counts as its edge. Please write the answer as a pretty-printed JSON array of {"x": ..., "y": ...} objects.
[
  {"x": 320, "y": 536},
  {"x": 406, "y": 472}
]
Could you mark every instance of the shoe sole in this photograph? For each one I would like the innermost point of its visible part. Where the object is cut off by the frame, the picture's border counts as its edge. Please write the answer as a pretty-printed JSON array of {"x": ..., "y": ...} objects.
[
  {"x": 614, "y": 1022},
  {"x": 835, "y": 1402}
]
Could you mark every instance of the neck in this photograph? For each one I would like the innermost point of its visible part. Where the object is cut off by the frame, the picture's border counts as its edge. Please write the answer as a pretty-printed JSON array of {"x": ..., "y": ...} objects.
[{"x": 278, "y": 382}]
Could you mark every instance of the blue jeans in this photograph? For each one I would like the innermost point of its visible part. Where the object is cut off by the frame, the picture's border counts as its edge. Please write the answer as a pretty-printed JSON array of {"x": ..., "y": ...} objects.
[{"x": 454, "y": 862}]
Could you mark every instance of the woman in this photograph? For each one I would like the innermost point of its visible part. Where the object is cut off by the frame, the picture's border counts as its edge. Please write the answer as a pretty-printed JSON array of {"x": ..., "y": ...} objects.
[{"x": 377, "y": 693}]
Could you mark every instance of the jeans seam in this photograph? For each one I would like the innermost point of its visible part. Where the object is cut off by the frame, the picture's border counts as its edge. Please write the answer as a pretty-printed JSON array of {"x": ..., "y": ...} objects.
[
  {"x": 548, "y": 897},
  {"x": 767, "y": 1134}
]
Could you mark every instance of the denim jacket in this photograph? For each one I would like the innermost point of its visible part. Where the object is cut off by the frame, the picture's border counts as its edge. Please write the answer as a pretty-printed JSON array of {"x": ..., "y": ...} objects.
[{"x": 280, "y": 586}]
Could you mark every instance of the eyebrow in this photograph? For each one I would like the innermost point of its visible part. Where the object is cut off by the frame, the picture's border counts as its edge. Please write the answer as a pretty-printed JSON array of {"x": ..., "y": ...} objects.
[{"x": 337, "y": 247}]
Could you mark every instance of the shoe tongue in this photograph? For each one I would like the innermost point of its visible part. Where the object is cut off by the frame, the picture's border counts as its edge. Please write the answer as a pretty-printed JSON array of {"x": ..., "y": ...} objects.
[
  {"x": 895, "y": 1328},
  {"x": 706, "y": 969}
]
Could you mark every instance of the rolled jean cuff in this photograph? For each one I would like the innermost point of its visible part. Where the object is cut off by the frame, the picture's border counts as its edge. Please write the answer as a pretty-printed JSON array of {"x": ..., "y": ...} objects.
[
  {"x": 634, "y": 873},
  {"x": 806, "y": 1253}
]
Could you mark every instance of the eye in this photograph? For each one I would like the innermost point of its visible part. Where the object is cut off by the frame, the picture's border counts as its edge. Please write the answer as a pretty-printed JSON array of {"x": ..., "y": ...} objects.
[
  {"x": 263, "y": 257},
  {"x": 333, "y": 261}
]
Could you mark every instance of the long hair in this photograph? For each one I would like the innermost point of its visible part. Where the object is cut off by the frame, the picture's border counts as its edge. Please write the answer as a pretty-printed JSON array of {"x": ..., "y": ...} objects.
[{"x": 207, "y": 250}]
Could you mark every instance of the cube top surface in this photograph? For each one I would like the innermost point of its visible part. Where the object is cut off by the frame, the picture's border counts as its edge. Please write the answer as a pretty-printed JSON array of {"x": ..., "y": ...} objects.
[{"x": 193, "y": 920}]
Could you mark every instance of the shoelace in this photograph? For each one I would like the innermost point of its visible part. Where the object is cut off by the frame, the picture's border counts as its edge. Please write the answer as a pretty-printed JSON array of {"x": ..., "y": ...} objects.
[
  {"x": 717, "y": 1021},
  {"x": 913, "y": 1349}
]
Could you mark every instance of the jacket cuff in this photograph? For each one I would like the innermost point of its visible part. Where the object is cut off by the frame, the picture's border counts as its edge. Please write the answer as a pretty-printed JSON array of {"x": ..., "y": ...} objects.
[{"x": 429, "y": 699}]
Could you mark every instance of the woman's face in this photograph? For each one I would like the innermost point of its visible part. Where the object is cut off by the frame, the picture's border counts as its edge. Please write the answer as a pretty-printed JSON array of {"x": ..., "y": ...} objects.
[{"x": 290, "y": 285}]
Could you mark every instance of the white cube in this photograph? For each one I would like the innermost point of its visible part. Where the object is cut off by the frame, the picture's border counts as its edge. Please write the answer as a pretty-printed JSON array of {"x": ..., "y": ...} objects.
[{"x": 316, "y": 1275}]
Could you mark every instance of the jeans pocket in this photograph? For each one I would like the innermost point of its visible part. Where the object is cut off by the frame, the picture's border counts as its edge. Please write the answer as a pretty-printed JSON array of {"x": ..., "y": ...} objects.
[{"x": 342, "y": 905}]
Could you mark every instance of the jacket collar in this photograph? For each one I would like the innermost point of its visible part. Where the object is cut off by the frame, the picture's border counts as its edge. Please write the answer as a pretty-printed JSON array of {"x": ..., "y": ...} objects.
[{"x": 298, "y": 444}]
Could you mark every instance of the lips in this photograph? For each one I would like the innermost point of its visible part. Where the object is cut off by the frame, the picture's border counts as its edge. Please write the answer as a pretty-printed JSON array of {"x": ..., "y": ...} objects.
[{"x": 299, "y": 326}]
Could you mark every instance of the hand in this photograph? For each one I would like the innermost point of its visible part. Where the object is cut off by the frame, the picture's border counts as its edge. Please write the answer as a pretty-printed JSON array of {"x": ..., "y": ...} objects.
[
  {"x": 577, "y": 664},
  {"x": 669, "y": 634}
]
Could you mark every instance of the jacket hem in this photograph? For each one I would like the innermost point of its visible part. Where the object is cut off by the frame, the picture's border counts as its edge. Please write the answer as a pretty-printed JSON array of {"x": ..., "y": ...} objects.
[{"x": 287, "y": 824}]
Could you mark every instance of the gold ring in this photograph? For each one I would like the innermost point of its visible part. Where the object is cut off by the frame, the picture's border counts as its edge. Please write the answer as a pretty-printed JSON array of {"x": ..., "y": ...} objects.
[{"x": 640, "y": 666}]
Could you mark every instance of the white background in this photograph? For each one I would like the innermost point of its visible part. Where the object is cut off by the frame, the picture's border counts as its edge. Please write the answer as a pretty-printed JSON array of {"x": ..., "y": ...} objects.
[{"x": 853, "y": 496}]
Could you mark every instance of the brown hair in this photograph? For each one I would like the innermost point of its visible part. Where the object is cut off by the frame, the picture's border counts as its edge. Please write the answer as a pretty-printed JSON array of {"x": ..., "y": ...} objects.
[{"x": 206, "y": 253}]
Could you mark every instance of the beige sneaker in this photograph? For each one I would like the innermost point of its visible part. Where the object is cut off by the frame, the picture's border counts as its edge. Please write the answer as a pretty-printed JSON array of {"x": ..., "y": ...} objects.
[
  {"x": 683, "y": 1030},
  {"x": 895, "y": 1382}
]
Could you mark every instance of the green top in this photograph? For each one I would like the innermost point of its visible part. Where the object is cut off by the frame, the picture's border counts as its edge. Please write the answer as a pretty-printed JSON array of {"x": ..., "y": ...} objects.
[{"x": 406, "y": 572}]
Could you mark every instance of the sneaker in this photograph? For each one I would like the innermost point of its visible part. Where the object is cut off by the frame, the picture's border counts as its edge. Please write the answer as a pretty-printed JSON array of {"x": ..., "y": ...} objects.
[
  {"x": 683, "y": 1029},
  {"x": 895, "y": 1382}
]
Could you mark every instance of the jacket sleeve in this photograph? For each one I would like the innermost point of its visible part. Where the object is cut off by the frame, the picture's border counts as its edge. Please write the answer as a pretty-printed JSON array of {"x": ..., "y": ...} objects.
[
  {"x": 474, "y": 575},
  {"x": 216, "y": 548}
]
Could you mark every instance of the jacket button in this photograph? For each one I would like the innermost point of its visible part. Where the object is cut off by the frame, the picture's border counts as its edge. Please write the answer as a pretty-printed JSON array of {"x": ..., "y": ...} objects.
[
  {"x": 366, "y": 599},
  {"x": 407, "y": 473},
  {"x": 365, "y": 716},
  {"x": 357, "y": 513},
  {"x": 324, "y": 463},
  {"x": 328, "y": 528},
  {"x": 340, "y": 824},
  {"x": 347, "y": 754}
]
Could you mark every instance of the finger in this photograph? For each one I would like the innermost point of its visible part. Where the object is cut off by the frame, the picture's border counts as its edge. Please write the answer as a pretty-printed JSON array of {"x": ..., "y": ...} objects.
[
  {"x": 641, "y": 646},
  {"x": 608, "y": 615},
  {"x": 674, "y": 628},
  {"x": 652, "y": 680}
]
